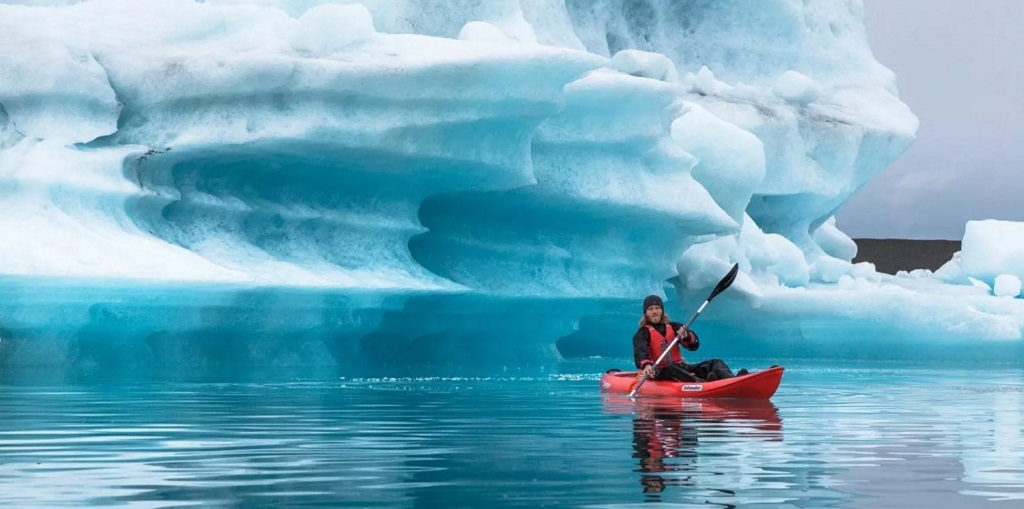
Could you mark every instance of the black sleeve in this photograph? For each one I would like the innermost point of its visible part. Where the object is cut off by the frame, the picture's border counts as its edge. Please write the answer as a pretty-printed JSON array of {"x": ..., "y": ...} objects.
[{"x": 641, "y": 351}]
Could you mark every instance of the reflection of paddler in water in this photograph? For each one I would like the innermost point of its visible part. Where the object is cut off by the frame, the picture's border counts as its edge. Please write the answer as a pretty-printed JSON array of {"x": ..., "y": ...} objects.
[
  {"x": 666, "y": 432},
  {"x": 660, "y": 433}
]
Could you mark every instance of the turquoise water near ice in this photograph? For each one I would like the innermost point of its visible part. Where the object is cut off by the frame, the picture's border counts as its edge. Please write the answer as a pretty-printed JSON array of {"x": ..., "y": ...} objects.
[{"x": 833, "y": 436}]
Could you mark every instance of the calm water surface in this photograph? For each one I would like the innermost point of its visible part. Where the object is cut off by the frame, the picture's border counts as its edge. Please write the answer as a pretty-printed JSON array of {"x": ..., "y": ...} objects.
[{"x": 829, "y": 438}]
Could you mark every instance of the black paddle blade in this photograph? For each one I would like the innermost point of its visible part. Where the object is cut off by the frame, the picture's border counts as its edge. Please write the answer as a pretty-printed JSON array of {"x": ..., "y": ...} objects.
[{"x": 725, "y": 282}]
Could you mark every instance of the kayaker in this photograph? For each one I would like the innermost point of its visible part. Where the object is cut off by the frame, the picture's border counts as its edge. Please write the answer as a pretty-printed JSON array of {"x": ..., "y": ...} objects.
[{"x": 656, "y": 333}]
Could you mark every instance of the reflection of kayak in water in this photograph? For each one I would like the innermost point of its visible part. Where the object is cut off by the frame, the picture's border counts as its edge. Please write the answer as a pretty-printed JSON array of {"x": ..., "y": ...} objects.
[
  {"x": 755, "y": 414},
  {"x": 757, "y": 385},
  {"x": 667, "y": 432}
]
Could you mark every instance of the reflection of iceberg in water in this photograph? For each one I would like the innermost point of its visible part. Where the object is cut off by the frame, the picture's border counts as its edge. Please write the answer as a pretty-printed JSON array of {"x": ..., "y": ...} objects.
[{"x": 667, "y": 434}]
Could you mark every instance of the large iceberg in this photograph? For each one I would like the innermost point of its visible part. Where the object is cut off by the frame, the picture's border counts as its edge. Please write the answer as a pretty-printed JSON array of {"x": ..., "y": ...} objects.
[{"x": 440, "y": 182}]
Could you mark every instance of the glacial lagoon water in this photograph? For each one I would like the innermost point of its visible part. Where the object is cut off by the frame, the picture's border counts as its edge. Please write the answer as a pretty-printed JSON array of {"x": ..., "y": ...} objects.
[{"x": 833, "y": 436}]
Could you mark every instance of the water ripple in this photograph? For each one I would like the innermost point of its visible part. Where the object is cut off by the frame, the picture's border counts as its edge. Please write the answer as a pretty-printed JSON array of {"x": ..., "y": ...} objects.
[{"x": 830, "y": 438}]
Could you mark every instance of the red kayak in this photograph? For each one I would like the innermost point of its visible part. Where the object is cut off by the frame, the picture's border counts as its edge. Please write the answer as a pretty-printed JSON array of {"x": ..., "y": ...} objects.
[{"x": 756, "y": 385}]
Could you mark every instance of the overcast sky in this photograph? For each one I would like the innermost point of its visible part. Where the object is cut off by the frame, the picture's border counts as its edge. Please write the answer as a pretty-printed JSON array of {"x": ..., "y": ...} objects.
[{"x": 960, "y": 68}]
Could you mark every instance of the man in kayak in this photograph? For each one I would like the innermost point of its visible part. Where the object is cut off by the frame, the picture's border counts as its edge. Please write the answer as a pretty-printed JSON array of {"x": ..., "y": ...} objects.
[{"x": 656, "y": 333}]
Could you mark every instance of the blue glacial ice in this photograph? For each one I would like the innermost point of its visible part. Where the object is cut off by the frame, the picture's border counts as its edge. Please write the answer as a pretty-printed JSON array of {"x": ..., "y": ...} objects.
[{"x": 443, "y": 183}]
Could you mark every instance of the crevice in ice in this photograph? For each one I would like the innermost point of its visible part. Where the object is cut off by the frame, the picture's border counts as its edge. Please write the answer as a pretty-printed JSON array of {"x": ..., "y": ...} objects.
[
  {"x": 9, "y": 133},
  {"x": 109, "y": 138}
]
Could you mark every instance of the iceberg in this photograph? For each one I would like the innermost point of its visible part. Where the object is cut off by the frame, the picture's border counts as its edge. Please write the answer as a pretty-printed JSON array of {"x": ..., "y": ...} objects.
[
  {"x": 993, "y": 248},
  {"x": 434, "y": 184}
]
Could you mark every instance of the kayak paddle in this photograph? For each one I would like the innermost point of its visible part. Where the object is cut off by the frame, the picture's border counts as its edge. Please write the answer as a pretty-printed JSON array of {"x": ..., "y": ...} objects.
[{"x": 719, "y": 288}]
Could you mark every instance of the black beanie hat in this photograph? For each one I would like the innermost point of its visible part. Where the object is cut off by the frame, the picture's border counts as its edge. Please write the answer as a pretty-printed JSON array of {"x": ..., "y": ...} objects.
[{"x": 653, "y": 300}]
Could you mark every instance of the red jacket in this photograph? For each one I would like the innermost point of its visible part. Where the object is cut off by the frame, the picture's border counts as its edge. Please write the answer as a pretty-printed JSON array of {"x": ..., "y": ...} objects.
[{"x": 651, "y": 340}]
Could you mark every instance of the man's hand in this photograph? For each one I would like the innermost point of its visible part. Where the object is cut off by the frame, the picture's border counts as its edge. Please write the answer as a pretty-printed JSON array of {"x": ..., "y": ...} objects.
[{"x": 649, "y": 371}]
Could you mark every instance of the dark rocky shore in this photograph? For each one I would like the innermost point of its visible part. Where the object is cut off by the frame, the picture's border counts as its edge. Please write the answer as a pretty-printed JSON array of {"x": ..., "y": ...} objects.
[{"x": 893, "y": 255}]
